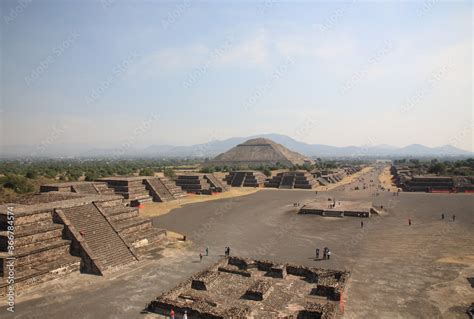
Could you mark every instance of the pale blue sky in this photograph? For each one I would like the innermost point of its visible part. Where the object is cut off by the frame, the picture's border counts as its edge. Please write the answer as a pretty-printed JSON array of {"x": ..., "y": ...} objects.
[{"x": 345, "y": 73}]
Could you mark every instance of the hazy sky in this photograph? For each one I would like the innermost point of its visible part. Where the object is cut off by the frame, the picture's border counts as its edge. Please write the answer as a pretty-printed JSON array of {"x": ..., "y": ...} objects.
[{"x": 354, "y": 73}]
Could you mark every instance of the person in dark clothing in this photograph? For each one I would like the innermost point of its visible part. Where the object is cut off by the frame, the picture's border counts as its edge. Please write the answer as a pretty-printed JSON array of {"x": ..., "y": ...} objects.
[
  {"x": 454, "y": 218},
  {"x": 361, "y": 224},
  {"x": 317, "y": 253},
  {"x": 442, "y": 216}
]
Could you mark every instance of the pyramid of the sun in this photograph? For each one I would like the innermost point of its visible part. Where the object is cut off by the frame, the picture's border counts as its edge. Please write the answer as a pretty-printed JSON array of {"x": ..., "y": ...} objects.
[{"x": 259, "y": 151}]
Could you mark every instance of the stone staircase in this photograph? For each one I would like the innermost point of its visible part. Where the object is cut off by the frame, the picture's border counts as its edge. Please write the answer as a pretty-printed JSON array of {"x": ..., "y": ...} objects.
[
  {"x": 245, "y": 179},
  {"x": 87, "y": 188},
  {"x": 238, "y": 179},
  {"x": 103, "y": 189},
  {"x": 295, "y": 179},
  {"x": 40, "y": 253},
  {"x": 288, "y": 181},
  {"x": 158, "y": 190},
  {"x": 104, "y": 245},
  {"x": 137, "y": 231},
  {"x": 175, "y": 190},
  {"x": 215, "y": 183}
]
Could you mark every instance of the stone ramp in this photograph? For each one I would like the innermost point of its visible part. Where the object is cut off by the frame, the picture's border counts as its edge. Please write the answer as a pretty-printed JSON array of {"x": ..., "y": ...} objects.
[
  {"x": 158, "y": 190},
  {"x": 287, "y": 181},
  {"x": 104, "y": 245},
  {"x": 139, "y": 232},
  {"x": 238, "y": 179},
  {"x": 216, "y": 183},
  {"x": 87, "y": 188},
  {"x": 175, "y": 190}
]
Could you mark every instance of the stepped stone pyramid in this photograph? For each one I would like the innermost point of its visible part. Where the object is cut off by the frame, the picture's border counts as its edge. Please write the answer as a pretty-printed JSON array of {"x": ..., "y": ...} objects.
[
  {"x": 140, "y": 189},
  {"x": 57, "y": 233},
  {"x": 200, "y": 183},
  {"x": 296, "y": 179},
  {"x": 245, "y": 179},
  {"x": 259, "y": 151}
]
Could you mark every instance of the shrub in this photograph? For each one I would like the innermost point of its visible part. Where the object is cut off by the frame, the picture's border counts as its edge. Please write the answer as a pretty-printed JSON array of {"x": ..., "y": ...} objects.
[
  {"x": 18, "y": 184},
  {"x": 147, "y": 171},
  {"x": 168, "y": 172},
  {"x": 267, "y": 172}
]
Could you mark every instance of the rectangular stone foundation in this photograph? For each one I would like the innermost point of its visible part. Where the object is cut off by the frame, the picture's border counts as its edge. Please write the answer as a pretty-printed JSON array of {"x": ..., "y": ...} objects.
[{"x": 240, "y": 287}]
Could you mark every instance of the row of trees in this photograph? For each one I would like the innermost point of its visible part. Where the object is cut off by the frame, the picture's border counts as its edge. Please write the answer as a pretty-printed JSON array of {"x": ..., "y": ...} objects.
[{"x": 463, "y": 167}]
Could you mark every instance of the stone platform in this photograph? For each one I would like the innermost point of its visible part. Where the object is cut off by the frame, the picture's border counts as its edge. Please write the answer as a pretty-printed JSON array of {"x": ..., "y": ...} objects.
[
  {"x": 78, "y": 187},
  {"x": 48, "y": 235},
  {"x": 341, "y": 208},
  {"x": 245, "y": 179},
  {"x": 239, "y": 288}
]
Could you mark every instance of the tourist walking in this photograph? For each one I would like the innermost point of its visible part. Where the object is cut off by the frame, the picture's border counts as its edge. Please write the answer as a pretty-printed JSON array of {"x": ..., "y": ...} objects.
[
  {"x": 454, "y": 218},
  {"x": 329, "y": 254},
  {"x": 442, "y": 216},
  {"x": 172, "y": 314},
  {"x": 207, "y": 251},
  {"x": 200, "y": 257},
  {"x": 185, "y": 316},
  {"x": 409, "y": 221},
  {"x": 361, "y": 224},
  {"x": 317, "y": 253}
]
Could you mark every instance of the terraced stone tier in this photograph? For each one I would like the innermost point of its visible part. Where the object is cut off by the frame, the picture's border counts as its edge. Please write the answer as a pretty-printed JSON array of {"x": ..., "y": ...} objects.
[{"x": 105, "y": 244}]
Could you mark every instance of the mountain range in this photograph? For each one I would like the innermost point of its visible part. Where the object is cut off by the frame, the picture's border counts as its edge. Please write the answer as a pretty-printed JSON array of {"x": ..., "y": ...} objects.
[{"x": 213, "y": 148}]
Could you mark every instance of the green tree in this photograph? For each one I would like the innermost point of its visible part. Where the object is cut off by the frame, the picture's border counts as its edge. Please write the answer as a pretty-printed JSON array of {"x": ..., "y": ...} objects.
[
  {"x": 18, "y": 184},
  {"x": 147, "y": 171},
  {"x": 267, "y": 172},
  {"x": 437, "y": 168},
  {"x": 31, "y": 174},
  {"x": 168, "y": 172}
]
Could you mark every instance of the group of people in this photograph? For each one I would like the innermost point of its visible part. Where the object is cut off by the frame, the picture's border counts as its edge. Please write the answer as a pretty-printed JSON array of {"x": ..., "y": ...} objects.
[
  {"x": 207, "y": 254},
  {"x": 326, "y": 253},
  {"x": 453, "y": 218},
  {"x": 226, "y": 252}
]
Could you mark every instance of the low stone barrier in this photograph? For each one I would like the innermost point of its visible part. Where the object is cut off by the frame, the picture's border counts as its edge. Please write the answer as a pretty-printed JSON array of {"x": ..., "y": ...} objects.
[{"x": 259, "y": 290}]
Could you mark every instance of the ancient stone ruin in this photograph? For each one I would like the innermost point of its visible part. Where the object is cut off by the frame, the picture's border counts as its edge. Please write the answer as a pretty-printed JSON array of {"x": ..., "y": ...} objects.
[
  {"x": 326, "y": 177},
  {"x": 78, "y": 187},
  {"x": 331, "y": 207},
  {"x": 140, "y": 189},
  {"x": 259, "y": 151},
  {"x": 200, "y": 183},
  {"x": 239, "y": 287},
  {"x": 56, "y": 233},
  {"x": 294, "y": 179},
  {"x": 245, "y": 179}
]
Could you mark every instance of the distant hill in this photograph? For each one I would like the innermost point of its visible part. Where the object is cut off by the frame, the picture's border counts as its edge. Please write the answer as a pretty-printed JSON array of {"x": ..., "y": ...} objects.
[{"x": 213, "y": 148}]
